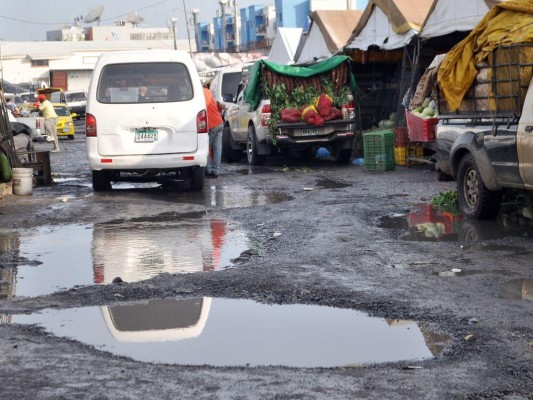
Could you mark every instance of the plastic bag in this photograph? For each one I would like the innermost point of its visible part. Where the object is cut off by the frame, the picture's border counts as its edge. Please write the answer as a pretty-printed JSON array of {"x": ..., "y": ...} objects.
[
  {"x": 323, "y": 104},
  {"x": 290, "y": 115},
  {"x": 312, "y": 117},
  {"x": 334, "y": 113}
]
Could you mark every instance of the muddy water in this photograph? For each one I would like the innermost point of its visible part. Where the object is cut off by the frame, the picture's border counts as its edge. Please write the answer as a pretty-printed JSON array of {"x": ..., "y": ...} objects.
[
  {"x": 224, "y": 332},
  {"x": 60, "y": 257},
  {"x": 426, "y": 223}
]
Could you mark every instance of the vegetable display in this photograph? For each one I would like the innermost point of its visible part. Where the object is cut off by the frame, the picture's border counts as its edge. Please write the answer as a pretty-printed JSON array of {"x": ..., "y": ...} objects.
[{"x": 318, "y": 97}]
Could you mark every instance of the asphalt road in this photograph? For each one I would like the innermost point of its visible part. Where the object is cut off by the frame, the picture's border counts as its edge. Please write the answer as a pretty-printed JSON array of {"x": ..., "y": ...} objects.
[{"x": 323, "y": 235}]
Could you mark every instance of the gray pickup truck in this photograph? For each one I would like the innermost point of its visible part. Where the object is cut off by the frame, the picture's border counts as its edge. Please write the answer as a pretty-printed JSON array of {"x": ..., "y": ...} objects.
[{"x": 490, "y": 149}]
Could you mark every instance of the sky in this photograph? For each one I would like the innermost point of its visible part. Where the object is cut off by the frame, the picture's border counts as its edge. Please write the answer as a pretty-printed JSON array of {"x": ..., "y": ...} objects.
[{"x": 28, "y": 20}]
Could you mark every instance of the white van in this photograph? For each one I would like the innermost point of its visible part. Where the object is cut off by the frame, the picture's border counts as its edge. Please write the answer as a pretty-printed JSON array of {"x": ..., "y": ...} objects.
[
  {"x": 225, "y": 84},
  {"x": 146, "y": 119}
]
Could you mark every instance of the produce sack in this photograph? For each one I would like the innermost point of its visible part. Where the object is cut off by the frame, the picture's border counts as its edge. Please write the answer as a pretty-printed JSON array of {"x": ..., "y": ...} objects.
[
  {"x": 290, "y": 115},
  {"x": 312, "y": 117},
  {"x": 334, "y": 113},
  {"x": 323, "y": 104}
]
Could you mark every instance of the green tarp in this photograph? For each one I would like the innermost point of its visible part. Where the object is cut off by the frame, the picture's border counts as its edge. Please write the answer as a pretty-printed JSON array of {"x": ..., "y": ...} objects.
[{"x": 253, "y": 90}]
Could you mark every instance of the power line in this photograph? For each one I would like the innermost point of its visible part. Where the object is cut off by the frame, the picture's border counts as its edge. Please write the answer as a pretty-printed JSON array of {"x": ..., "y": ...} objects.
[{"x": 66, "y": 23}]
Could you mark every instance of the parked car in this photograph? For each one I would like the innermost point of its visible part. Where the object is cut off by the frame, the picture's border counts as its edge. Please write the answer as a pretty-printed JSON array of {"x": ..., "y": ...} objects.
[
  {"x": 162, "y": 135},
  {"x": 490, "y": 148}
]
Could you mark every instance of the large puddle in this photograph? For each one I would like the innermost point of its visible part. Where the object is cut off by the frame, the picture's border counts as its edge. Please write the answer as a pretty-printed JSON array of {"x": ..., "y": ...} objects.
[
  {"x": 224, "y": 332},
  {"x": 56, "y": 258},
  {"x": 213, "y": 195},
  {"x": 427, "y": 223}
]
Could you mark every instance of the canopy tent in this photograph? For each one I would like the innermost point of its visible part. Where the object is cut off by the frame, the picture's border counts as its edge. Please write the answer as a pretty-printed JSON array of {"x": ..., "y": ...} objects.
[
  {"x": 389, "y": 24},
  {"x": 328, "y": 33},
  {"x": 285, "y": 45},
  {"x": 509, "y": 22},
  {"x": 447, "y": 16}
]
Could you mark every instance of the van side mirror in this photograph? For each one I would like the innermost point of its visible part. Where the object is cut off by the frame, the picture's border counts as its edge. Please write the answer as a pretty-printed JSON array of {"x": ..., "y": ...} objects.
[
  {"x": 228, "y": 97},
  {"x": 73, "y": 115}
]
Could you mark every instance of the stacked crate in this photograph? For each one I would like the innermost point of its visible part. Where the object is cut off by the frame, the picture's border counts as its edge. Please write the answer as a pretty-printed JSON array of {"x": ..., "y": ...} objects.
[
  {"x": 402, "y": 148},
  {"x": 379, "y": 150}
]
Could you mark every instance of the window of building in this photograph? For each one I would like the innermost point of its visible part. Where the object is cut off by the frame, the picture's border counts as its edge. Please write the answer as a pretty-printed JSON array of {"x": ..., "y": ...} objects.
[{"x": 39, "y": 63}]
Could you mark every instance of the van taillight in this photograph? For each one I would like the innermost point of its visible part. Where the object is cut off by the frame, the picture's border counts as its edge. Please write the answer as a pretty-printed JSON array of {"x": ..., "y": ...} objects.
[
  {"x": 201, "y": 122},
  {"x": 38, "y": 123},
  {"x": 265, "y": 117},
  {"x": 90, "y": 125}
]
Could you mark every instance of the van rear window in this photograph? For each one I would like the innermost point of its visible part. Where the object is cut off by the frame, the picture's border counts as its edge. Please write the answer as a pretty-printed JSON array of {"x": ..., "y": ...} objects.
[{"x": 144, "y": 83}]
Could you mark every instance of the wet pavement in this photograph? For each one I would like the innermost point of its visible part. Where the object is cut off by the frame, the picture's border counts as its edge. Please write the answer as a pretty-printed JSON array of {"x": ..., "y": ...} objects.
[{"x": 409, "y": 302}]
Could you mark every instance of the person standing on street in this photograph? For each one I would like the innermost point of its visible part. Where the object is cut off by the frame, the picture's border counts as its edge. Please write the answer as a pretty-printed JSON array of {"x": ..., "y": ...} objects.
[
  {"x": 50, "y": 121},
  {"x": 215, "y": 124}
]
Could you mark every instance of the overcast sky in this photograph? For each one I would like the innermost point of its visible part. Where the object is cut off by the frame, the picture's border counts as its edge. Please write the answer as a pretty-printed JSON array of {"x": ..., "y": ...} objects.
[{"x": 23, "y": 20}]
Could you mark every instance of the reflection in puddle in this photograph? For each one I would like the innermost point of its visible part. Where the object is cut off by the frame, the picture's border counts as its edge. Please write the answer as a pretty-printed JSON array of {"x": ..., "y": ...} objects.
[
  {"x": 224, "y": 332},
  {"x": 234, "y": 196},
  {"x": 518, "y": 289},
  {"x": 82, "y": 255},
  {"x": 427, "y": 223}
]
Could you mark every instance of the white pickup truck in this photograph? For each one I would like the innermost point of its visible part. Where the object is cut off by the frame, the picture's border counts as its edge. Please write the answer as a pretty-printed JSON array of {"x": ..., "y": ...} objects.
[{"x": 258, "y": 128}]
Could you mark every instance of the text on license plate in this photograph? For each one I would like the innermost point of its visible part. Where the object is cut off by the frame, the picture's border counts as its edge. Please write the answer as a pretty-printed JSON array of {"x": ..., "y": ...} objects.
[
  {"x": 309, "y": 132},
  {"x": 146, "y": 135}
]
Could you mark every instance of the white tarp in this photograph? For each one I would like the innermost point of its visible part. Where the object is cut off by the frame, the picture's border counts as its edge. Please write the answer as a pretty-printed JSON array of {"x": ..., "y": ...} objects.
[
  {"x": 315, "y": 46},
  {"x": 453, "y": 16},
  {"x": 285, "y": 45},
  {"x": 378, "y": 31},
  {"x": 329, "y": 32}
]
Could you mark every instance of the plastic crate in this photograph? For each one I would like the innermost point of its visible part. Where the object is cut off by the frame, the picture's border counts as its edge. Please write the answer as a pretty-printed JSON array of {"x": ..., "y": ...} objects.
[
  {"x": 420, "y": 129},
  {"x": 379, "y": 150},
  {"x": 400, "y": 136},
  {"x": 401, "y": 154}
]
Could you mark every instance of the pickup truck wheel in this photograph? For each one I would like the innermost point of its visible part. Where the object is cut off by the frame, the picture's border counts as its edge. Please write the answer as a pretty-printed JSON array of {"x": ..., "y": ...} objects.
[
  {"x": 254, "y": 158},
  {"x": 197, "y": 179},
  {"x": 228, "y": 152},
  {"x": 101, "y": 181},
  {"x": 475, "y": 200}
]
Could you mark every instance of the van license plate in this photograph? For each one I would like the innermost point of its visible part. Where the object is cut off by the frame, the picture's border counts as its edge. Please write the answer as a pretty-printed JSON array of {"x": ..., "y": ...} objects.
[{"x": 145, "y": 135}]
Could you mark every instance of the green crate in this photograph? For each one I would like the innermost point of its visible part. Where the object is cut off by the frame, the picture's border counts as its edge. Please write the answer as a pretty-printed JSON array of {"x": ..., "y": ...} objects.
[{"x": 379, "y": 150}]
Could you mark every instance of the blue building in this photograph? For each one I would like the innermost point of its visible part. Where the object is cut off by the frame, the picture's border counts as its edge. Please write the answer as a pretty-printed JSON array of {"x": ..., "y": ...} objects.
[
  {"x": 204, "y": 36},
  {"x": 292, "y": 14}
]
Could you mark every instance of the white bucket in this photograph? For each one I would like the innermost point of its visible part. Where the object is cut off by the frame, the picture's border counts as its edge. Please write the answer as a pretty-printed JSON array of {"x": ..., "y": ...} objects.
[{"x": 22, "y": 181}]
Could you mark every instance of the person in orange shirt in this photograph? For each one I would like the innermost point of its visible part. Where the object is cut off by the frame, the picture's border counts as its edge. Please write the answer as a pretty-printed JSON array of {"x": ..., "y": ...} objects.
[{"x": 215, "y": 124}]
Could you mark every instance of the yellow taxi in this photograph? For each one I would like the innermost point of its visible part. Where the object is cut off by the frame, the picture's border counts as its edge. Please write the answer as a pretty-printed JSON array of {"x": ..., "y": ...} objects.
[{"x": 65, "y": 123}]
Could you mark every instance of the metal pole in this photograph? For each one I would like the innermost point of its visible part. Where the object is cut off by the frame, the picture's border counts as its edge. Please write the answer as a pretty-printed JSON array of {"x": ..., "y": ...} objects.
[
  {"x": 195, "y": 12},
  {"x": 223, "y": 7},
  {"x": 187, "y": 25},
  {"x": 174, "y": 20},
  {"x": 237, "y": 25}
]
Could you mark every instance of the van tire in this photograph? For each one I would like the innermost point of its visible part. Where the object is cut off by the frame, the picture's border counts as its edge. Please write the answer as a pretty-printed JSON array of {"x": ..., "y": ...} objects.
[
  {"x": 254, "y": 158},
  {"x": 341, "y": 154},
  {"x": 197, "y": 179},
  {"x": 228, "y": 152},
  {"x": 475, "y": 200},
  {"x": 101, "y": 181}
]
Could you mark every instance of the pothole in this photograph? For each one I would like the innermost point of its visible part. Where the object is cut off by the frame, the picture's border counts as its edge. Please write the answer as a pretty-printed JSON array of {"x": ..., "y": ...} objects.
[
  {"x": 229, "y": 332},
  {"x": 56, "y": 258},
  {"x": 426, "y": 223}
]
